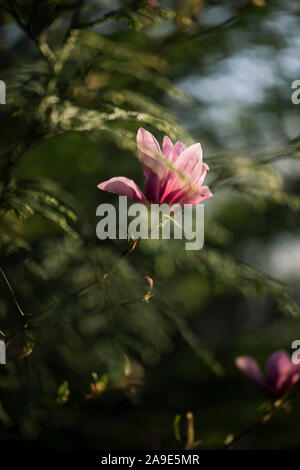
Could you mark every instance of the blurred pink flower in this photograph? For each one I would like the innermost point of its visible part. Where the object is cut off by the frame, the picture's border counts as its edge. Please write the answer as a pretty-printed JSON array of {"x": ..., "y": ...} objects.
[
  {"x": 154, "y": 442},
  {"x": 162, "y": 184},
  {"x": 281, "y": 373},
  {"x": 153, "y": 3}
]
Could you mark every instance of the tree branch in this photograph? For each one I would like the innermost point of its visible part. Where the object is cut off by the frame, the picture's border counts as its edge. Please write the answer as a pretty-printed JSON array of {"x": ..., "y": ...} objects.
[
  {"x": 276, "y": 406},
  {"x": 12, "y": 292}
]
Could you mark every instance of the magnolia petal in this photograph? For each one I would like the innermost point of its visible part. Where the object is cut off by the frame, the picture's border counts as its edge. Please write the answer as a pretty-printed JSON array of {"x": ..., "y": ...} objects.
[
  {"x": 190, "y": 161},
  {"x": 178, "y": 148},
  {"x": 167, "y": 147},
  {"x": 287, "y": 382},
  {"x": 154, "y": 170},
  {"x": 278, "y": 366},
  {"x": 202, "y": 175},
  {"x": 289, "y": 374},
  {"x": 249, "y": 367},
  {"x": 149, "y": 151},
  {"x": 204, "y": 193},
  {"x": 191, "y": 198},
  {"x": 124, "y": 187},
  {"x": 189, "y": 166}
]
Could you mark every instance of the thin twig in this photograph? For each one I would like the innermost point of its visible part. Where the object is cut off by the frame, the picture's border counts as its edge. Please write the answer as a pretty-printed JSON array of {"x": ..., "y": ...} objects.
[
  {"x": 276, "y": 406},
  {"x": 182, "y": 34},
  {"x": 114, "y": 14},
  {"x": 130, "y": 249},
  {"x": 12, "y": 292},
  {"x": 73, "y": 23},
  {"x": 132, "y": 245},
  {"x": 13, "y": 156},
  {"x": 108, "y": 16},
  {"x": 190, "y": 433},
  {"x": 42, "y": 47}
]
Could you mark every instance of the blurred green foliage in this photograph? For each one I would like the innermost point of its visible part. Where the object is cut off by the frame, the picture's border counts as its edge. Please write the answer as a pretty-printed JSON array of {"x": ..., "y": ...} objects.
[{"x": 96, "y": 355}]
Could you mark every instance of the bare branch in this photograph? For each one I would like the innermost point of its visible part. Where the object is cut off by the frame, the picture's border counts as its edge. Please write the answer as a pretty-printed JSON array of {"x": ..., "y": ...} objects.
[{"x": 12, "y": 293}]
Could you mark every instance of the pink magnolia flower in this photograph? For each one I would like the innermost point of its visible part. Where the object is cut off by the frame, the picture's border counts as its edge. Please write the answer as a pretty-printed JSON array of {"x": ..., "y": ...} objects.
[
  {"x": 163, "y": 184},
  {"x": 153, "y": 3},
  {"x": 281, "y": 373}
]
